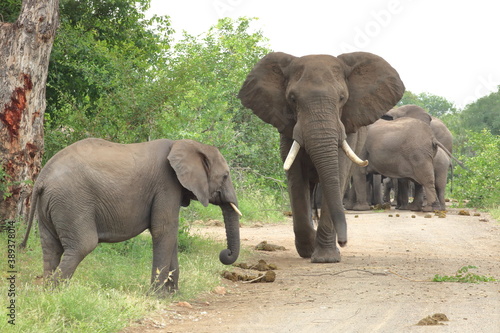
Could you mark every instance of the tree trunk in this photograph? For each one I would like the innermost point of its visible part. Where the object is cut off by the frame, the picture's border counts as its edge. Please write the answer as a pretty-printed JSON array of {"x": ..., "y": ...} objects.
[{"x": 25, "y": 47}]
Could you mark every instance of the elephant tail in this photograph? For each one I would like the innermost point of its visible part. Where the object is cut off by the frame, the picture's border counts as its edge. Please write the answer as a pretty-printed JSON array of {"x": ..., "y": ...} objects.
[
  {"x": 37, "y": 190},
  {"x": 440, "y": 145}
]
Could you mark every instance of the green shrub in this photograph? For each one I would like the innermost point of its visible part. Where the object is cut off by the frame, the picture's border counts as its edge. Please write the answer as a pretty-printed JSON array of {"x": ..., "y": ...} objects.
[{"x": 479, "y": 184}]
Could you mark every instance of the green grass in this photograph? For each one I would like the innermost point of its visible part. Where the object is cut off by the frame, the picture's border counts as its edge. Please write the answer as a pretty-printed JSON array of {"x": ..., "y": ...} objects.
[
  {"x": 463, "y": 275},
  {"x": 255, "y": 204},
  {"x": 109, "y": 289},
  {"x": 495, "y": 212}
]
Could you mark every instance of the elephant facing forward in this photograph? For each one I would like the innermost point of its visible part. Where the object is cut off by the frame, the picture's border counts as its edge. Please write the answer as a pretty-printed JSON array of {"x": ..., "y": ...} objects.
[
  {"x": 317, "y": 103},
  {"x": 96, "y": 191}
]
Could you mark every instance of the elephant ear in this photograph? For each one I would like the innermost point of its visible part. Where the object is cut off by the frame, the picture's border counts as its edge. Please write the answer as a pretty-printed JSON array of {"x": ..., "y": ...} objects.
[
  {"x": 374, "y": 88},
  {"x": 264, "y": 91},
  {"x": 191, "y": 166}
]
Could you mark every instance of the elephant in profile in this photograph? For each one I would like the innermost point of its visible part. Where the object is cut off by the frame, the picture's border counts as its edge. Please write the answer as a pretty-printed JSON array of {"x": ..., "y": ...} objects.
[
  {"x": 317, "y": 103},
  {"x": 97, "y": 191}
]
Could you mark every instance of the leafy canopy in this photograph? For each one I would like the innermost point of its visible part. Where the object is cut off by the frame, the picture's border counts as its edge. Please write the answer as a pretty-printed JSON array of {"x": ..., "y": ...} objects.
[{"x": 436, "y": 105}]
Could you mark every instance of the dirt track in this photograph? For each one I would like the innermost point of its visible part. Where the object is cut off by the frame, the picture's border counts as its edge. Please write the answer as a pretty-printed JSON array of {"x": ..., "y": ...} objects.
[{"x": 381, "y": 285}]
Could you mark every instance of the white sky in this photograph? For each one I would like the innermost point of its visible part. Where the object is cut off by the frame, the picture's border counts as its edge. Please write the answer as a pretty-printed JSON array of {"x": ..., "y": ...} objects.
[{"x": 444, "y": 47}]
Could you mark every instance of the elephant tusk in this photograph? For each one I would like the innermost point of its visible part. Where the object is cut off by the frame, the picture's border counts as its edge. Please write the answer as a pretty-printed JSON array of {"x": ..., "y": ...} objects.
[
  {"x": 294, "y": 150},
  {"x": 352, "y": 155},
  {"x": 236, "y": 209}
]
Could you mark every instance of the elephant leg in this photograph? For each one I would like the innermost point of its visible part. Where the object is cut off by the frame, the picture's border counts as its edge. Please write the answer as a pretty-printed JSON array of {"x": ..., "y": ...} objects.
[
  {"x": 78, "y": 239},
  {"x": 440, "y": 192},
  {"x": 350, "y": 197},
  {"x": 403, "y": 198},
  {"x": 441, "y": 166},
  {"x": 425, "y": 176},
  {"x": 418, "y": 198},
  {"x": 325, "y": 248},
  {"x": 76, "y": 248},
  {"x": 360, "y": 186},
  {"x": 71, "y": 258},
  {"x": 387, "y": 186},
  {"x": 164, "y": 229},
  {"x": 300, "y": 201},
  {"x": 377, "y": 189},
  {"x": 165, "y": 269},
  {"x": 52, "y": 250}
]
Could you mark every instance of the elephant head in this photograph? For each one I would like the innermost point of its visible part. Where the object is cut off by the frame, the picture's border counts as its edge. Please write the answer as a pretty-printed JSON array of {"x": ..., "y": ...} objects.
[
  {"x": 411, "y": 111},
  {"x": 203, "y": 171},
  {"x": 317, "y": 100}
]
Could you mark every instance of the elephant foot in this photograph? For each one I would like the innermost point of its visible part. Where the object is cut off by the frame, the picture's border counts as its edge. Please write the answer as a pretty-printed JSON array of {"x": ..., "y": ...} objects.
[
  {"x": 326, "y": 255},
  {"x": 428, "y": 208},
  {"x": 415, "y": 207},
  {"x": 304, "y": 249},
  {"x": 361, "y": 206},
  {"x": 403, "y": 207},
  {"x": 348, "y": 205}
]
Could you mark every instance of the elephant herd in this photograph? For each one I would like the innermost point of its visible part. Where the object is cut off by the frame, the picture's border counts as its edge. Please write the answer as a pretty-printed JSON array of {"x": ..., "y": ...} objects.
[
  {"x": 327, "y": 111},
  {"x": 406, "y": 144}
]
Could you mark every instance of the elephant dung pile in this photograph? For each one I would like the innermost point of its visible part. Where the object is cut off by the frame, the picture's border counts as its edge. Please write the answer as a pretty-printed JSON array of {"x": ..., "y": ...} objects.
[
  {"x": 265, "y": 246},
  {"x": 435, "y": 319},
  {"x": 261, "y": 266}
]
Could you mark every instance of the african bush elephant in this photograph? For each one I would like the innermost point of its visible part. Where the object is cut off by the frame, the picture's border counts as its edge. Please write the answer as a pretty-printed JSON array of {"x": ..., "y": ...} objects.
[
  {"x": 404, "y": 148},
  {"x": 316, "y": 102},
  {"x": 442, "y": 162},
  {"x": 97, "y": 191}
]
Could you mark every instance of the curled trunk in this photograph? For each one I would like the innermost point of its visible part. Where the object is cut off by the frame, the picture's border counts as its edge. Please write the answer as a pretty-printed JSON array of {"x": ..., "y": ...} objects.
[{"x": 232, "y": 224}]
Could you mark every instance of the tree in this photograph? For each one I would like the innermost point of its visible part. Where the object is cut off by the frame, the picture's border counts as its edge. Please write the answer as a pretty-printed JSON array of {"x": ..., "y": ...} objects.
[
  {"x": 105, "y": 58},
  {"x": 483, "y": 114},
  {"x": 25, "y": 50},
  {"x": 199, "y": 87},
  {"x": 436, "y": 105}
]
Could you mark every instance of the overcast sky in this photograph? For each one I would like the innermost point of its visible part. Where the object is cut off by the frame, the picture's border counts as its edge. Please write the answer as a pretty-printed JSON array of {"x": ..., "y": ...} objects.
[{"x": 447, "y": 48}]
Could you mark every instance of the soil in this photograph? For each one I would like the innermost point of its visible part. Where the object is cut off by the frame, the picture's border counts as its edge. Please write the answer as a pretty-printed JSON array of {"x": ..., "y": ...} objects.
[{"x": 383, "y": 283}]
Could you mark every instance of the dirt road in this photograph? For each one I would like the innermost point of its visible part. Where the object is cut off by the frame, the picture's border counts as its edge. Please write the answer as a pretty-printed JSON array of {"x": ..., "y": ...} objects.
[{"x": 381, "y": 285}]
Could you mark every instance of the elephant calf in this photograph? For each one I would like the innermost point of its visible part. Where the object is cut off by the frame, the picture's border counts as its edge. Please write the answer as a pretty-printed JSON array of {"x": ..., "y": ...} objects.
[{"x": 97, "y": 191}]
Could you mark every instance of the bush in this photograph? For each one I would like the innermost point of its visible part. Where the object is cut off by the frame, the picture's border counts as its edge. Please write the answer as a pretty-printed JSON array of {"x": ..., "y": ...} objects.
[{"x": 479, "y": 184}]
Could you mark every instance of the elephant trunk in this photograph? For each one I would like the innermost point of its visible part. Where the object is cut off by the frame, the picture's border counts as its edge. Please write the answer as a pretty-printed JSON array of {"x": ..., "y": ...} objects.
[
  {"x": 232, "y": 223},
  {"x": 322, "y": 145},
  {"x": 327, "y": 165}
]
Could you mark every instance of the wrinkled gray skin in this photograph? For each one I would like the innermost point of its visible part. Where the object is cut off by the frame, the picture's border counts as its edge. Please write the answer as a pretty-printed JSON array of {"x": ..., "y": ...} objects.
[
  {"x": 96, "y": 191},
  {"x": 442, "y": 161},
  {"x": 319, "y": 100},
  {"x": 404, "y": 148}
]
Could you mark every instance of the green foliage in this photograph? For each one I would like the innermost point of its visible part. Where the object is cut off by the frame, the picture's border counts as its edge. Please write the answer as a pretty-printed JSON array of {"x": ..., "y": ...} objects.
[
  {"x": 483, "y": 113},
  {"x": 479, "y": 185},
  {"x": 463, "y": 276},
  {"x": 436, "y": 105},
  {"x": 133, "y": 85},
  {"x": 109, "y": 289},
  {"x": 199, "y": 87},
  {"x": 99, "y": 75},
  {"x": 4, "y": 184},
  {"x": 9, "y": 10}
]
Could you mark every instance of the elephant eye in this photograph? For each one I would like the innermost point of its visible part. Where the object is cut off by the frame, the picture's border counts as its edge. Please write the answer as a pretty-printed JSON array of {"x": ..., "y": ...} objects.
[
  {"x": 293, "y": 98},
  {"x": 342, "y": 98}
]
